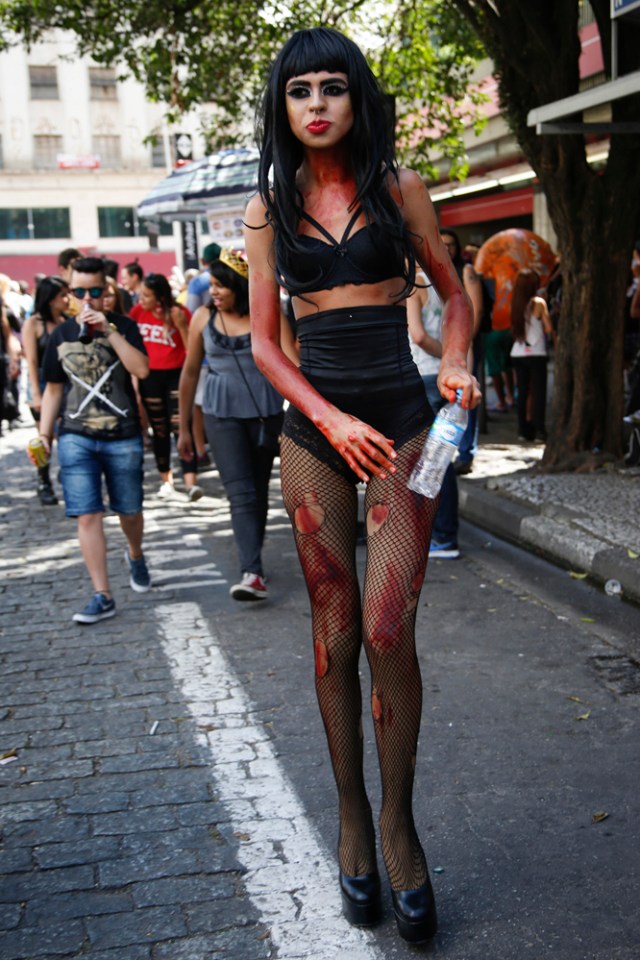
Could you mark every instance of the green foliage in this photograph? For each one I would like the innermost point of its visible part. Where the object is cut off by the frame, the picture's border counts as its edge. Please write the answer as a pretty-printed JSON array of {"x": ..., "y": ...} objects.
[
  {"x": 187, "y": 53},
  {"x": 425, "y": 61}
]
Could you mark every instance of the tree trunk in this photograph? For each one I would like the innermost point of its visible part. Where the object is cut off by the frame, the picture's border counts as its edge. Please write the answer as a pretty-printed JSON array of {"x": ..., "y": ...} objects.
[
  {"x": 596, "y": 216},
  {"x": 587, "y": 409}
]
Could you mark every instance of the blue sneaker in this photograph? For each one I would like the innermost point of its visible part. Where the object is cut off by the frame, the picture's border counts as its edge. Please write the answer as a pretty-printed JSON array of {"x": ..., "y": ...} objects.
[
  {"x": 140, "y": 580},
  {"x": 444, "y": 551},
  {"x": 99, "y": 607}
]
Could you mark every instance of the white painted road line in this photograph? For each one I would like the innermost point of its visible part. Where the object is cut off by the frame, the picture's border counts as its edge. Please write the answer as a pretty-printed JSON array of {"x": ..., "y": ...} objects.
[{"x": 291, "y": 878}]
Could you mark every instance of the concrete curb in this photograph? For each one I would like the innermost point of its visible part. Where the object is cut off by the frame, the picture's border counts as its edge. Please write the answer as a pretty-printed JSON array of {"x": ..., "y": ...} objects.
[{"x": 549, "y": 531}]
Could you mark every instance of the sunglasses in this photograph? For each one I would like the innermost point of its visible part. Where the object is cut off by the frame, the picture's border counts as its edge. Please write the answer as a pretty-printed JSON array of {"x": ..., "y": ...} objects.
[{"x": 81, "y": 292}]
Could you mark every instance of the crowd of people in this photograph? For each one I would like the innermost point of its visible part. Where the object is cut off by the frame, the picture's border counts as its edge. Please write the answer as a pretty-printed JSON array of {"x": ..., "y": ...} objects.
[
  {"x": 104, "y": 365},
  {"x": 164, "y": 309},
  {"x": 386, "y": 320}
]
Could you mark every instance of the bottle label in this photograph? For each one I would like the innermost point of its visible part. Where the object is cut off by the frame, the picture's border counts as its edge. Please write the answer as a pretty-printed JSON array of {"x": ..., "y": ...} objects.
[{"x": 444, "y": 431}]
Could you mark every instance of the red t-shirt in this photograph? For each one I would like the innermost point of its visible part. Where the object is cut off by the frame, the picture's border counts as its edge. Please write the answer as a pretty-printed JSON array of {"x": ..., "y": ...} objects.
[{"x": 164, "y": 346}]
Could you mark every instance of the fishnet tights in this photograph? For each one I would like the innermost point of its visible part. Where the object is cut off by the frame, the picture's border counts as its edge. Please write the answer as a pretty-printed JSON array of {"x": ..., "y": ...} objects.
[{"x": 322, "y": 506}]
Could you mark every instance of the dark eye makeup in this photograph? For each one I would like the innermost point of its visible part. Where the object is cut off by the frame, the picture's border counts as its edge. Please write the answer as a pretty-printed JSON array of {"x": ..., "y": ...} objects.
[{"x": 328, "y": 88}]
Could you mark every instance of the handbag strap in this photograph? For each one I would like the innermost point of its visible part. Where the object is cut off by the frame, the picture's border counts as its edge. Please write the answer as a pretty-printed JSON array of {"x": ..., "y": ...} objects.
[{"x": 238, "y": 364}]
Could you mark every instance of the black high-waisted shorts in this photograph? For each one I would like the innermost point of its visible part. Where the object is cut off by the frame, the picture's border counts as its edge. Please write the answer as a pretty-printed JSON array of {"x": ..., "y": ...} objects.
[{"x": 359, "y": 359}]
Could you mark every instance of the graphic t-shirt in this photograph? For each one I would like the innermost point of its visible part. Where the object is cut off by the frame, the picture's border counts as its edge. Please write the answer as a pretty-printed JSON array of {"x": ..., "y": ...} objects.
[
  {"x": 99, "y": 400},
  {"x": 163, "y": 344}
]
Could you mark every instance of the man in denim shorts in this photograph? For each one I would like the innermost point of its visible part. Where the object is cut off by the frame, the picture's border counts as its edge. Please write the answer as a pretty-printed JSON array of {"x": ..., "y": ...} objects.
[{"x": 88, "y": 366}]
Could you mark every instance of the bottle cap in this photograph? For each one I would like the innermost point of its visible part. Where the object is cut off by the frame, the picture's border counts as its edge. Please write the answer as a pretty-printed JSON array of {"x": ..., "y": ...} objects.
[{"x": 459, "y": 393}]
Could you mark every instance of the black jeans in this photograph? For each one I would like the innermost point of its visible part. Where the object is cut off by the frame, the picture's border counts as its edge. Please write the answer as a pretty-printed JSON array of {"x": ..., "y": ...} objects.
[
  {"x": 531, "y": 373},
  {"x": 245, "y": 469},
  {"x": 159, "y": 393}
]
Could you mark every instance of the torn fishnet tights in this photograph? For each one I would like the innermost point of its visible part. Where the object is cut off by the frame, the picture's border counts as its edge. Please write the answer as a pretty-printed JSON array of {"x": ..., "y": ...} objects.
[{"x": 322, "y": 506}]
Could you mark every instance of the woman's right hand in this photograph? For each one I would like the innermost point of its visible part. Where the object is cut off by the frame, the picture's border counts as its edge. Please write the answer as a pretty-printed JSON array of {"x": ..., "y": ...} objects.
[
  {"x": 185, "y": 445},
  {"x": 368, "y": 452},
  {"x": 47, "y": 447}
]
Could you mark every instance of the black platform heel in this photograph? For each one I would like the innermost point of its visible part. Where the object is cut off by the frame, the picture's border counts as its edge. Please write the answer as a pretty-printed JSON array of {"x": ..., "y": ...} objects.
[
  {"x": 361, "y": 899},
  {"x": 415, "y": 912}
]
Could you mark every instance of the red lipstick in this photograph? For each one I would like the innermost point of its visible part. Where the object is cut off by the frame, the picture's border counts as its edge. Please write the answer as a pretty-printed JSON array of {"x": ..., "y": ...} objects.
[{"x": 318, "y": 126}]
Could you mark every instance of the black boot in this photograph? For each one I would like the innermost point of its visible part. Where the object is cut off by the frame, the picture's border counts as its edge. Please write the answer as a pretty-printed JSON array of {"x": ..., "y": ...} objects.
[
  {"x": 361, "y": 898},
  {"x": 415, "y": 912}
]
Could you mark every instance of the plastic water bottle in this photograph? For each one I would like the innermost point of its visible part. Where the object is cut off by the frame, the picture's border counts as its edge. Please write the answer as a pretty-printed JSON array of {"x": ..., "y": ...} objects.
[{"x": 439, "y": 449}]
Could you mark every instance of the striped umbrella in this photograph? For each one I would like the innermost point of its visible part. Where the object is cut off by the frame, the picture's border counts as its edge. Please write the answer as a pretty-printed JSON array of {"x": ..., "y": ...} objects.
[{"x": 202, "y": 185}]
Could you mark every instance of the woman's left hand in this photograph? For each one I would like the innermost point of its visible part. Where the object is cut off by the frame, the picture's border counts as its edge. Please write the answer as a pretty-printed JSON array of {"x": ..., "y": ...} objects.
[{"x": 455, "y": 376}]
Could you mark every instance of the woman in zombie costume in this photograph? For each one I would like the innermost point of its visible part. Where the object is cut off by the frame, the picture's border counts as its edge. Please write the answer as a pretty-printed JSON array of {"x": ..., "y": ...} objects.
[{"x": 341, "y": 229}]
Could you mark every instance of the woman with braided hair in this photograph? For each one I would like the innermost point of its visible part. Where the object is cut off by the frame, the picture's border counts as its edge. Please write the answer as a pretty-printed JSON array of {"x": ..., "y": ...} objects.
[{"x": 342, "y": 228}]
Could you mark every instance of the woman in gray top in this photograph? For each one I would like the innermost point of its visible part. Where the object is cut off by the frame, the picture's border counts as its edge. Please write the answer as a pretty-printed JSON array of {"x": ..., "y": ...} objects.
[{"x": 242, "y": 412}]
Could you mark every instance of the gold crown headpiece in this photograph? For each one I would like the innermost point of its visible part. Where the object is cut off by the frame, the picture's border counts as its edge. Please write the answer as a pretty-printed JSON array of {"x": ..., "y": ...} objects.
[{"x": 235, "y": 259}]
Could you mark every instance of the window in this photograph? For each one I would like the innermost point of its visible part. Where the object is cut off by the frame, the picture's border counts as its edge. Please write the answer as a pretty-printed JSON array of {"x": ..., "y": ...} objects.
[
  {"x": 124, "y": 222},
  {"x": 46, "y": 148},
  {"x": 117, "y": 222},
  {"x": 43, "y": 223},
  {"x": 108, "y": 149},
  {"x": 166, "y": 229},
  {"x": 14, "y": 225},
  {"x": 44, "y": 83},
  {"x": 157, "y": 154},
  {"x": 50, "y": 222},
  {"x": 586, "y": 15},
  {"x": 102, "y": 83}
]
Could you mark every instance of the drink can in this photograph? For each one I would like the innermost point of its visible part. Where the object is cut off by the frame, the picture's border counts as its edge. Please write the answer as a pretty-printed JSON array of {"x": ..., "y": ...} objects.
[{"x": 38, "y": 451}]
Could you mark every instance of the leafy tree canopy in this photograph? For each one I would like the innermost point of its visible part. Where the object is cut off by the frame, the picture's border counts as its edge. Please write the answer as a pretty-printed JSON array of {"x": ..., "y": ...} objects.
[{"x": 187, "y": 52}]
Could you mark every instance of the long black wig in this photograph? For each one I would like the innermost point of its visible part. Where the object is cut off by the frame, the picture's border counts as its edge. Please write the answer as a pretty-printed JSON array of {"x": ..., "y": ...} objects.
[{"x": 370, "y": 144}]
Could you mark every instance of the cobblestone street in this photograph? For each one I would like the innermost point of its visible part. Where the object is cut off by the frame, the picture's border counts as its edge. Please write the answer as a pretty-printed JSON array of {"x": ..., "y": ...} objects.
[{"x": 165, "y": 788}]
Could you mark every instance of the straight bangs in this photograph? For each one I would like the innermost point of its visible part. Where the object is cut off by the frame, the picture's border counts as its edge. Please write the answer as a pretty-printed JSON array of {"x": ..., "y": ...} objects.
[{"x": 310, "y": 51}]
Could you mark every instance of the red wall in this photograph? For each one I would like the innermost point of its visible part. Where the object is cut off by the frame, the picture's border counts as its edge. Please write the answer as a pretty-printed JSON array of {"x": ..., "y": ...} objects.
[
  {"x": 514, "y": 203},
  {"x": 25, "y": 266},
  {"x": 591, "y": 59}
]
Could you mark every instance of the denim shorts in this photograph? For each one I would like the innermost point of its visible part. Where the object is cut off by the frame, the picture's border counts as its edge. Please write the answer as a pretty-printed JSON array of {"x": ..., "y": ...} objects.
[{"x": 84, "y": 461}]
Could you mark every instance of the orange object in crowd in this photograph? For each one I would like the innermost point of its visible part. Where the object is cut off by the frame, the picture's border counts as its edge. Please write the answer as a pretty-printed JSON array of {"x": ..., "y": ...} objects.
[{"x": 502, "y": 256}]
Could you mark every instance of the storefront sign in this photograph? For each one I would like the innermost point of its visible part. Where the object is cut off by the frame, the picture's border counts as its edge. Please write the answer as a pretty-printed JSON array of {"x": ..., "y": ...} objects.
[
  {"x": 189, "y": 234},
  {"x": 71, "y": 161},
  {"x": 225, "y": 227},
  {"x": 620, "y": 7}
]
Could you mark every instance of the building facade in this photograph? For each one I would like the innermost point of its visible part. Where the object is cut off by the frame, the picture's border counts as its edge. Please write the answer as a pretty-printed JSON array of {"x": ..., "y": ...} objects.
[{"x": 75, "y": 161}]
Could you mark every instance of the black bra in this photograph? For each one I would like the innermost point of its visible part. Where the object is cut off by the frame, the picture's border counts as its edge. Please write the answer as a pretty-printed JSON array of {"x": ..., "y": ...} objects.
[{"x": 365, "y": 257}]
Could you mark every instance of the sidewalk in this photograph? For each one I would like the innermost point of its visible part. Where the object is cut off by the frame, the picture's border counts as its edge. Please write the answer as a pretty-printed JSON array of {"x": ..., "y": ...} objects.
[{"x": 588, "y": 523}]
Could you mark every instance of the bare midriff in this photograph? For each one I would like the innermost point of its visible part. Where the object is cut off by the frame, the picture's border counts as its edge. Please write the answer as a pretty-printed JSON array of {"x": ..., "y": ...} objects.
[{"x": 381, "y": 294}]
